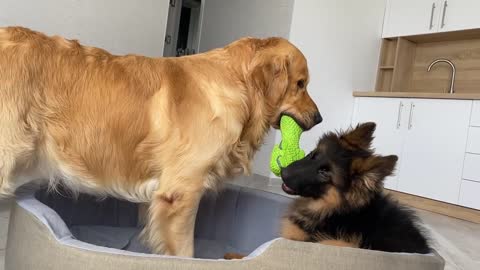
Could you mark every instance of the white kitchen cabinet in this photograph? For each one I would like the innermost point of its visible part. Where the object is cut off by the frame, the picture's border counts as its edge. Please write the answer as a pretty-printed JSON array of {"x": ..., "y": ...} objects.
[
  {"x": 434, "y": 148},
  {"x": 389, "y": 114},
  {"x": 471, "y": 168},
  {"x": 475, "y": 119},
  {"x": 411, "y": 17},
  {"x": 473, "y": 145},
  {"x": 428, "y": 135},
  {"x": 469, "y": 194},
  {"x": 414, "y": 17},
  {"x": 459, "y": 15}
]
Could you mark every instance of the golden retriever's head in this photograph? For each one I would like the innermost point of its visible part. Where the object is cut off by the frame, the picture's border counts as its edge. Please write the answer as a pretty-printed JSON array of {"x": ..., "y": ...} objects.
[{"x": 279, "y": 70}]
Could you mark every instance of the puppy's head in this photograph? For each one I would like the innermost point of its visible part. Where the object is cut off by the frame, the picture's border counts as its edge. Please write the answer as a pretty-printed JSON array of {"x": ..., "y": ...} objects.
[
  {"x": 279, "y": 71},
  {"x": 342, "y": 166}
]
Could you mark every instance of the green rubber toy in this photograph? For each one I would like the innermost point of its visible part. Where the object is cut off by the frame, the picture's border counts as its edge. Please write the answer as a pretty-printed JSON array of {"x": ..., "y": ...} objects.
[{"x": 288, "y": 150}]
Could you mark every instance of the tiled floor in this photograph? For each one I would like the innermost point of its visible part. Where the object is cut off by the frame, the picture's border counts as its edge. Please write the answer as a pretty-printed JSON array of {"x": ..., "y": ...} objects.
[{"x": 457, "y": 241}]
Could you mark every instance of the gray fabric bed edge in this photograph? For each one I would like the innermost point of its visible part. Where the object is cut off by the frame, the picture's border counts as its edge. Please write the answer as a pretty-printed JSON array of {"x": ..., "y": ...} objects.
[{"x": 242, "y": 219}]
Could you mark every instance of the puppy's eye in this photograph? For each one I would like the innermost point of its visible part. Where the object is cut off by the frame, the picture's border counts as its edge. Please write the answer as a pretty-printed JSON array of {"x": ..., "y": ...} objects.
[
  {"x": 301, "y": 84},
  {"x": 323, "y": 170}
]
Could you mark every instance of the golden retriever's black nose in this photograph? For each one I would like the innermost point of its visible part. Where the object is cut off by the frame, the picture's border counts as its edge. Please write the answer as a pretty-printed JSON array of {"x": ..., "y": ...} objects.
[{"x": 317, "y": 118}]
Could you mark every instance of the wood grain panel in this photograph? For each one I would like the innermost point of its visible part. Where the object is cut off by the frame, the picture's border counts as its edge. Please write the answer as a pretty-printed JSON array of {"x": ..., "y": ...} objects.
[
  {"x": 404, "y": 59},
  {"x": 409, "y": 57},
  {"x": 384, "y": 80},
  {"x": 465, "y": 54},
  {"x": 386, "y": 65}
]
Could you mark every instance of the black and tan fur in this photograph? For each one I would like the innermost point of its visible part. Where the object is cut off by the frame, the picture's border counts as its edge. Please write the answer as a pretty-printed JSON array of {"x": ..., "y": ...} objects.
[{"x": 342, "y": 198}]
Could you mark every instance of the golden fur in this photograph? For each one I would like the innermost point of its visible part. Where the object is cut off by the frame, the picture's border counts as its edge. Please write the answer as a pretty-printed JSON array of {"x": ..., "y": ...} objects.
[{"x": 150, "y": 130}]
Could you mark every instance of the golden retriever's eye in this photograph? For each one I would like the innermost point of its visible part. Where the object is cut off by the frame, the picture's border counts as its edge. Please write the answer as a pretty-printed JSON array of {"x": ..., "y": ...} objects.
[{"x": 301, "y": 83}]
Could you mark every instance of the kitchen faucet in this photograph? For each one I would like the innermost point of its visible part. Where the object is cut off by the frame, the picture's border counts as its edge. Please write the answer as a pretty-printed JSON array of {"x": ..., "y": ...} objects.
[{"x": 453, "y": 71}]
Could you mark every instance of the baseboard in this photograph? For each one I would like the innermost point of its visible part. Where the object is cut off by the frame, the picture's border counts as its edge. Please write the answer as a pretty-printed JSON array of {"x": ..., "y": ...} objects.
[{"x": 438, "y": 207}]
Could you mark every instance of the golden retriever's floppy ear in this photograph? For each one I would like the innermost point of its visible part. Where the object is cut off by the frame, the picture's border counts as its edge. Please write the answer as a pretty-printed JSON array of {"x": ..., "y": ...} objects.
[
  {"x": 361, "y": 136},
  {"x": 268, "y": 72}
]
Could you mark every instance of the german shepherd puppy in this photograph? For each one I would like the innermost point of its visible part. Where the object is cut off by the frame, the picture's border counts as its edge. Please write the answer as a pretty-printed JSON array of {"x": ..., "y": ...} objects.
[{"x": 342, "y": 200}]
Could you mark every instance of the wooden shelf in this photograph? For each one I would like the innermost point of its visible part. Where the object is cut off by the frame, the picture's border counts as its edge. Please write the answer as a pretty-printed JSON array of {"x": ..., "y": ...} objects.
[
  {"x": 384, "y": 80},
  {"x": 403, "y": 63}
]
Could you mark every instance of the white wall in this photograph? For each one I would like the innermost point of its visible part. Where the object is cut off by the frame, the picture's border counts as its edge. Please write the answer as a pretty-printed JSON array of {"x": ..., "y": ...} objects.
[
  {"x": 119, "y": 26},
  {"x": 341, "y": 41},
  {"x": 224, "y": 21}
]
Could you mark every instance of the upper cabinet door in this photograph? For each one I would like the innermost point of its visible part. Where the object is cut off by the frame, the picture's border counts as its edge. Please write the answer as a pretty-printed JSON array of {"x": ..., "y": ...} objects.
[
  {"x": 390, "y": 116},
  {"x": 459, "y": 15},
  {"x": 434, "y": 148},
  {"x": 412, "y": 17}
]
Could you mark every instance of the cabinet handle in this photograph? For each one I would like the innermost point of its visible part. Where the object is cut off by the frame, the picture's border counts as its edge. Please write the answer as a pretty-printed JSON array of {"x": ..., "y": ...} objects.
[
  {"x": 445, "y": 5},
  {"x": 431, "y": 16},
  {"x": 399, "y": 118},
  {"x": 410, "y": 120}
]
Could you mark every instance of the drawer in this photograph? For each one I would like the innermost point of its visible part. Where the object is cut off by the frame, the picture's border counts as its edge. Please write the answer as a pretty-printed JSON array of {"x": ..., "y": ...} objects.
[
  {"x": 473, "y": 145},
  {"x": 471, "y": 167},
  {"x": 469, "y": 194},
  {"x": 475, "y": 119}
]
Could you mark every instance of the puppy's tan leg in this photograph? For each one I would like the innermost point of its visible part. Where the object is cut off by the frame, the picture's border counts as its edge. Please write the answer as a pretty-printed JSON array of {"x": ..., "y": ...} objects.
[
  {"x": 339, "y": 243},
  {"x": 172, "y": 215},
  {"x": 353, "y": 241},
  {"x": 291, "y": 231}
]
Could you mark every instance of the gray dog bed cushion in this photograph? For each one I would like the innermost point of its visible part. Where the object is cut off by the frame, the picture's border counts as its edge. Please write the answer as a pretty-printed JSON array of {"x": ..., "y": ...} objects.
[
  {"x": 222, "y": 223},
  {"x": 51, "y": 231}
]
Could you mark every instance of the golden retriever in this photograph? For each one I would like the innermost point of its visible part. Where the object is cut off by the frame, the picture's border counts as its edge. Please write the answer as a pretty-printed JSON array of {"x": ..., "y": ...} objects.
[{"x": 155, "y": 130}]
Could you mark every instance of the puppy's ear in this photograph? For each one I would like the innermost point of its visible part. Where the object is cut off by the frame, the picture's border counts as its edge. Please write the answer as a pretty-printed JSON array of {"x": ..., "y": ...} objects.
[
  {"x": 374, "y": 169},
  {"x": 361, "y": 136}
]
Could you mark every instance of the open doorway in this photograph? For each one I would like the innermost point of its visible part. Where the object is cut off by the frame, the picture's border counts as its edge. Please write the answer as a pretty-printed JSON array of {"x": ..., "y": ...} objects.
[
  {"x": 196, "y": 26},
  {"x": 183, "y": 28}
]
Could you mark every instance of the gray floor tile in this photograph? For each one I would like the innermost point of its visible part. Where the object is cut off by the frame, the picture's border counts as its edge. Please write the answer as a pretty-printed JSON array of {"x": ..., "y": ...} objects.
[
  {"x": 3, "y": 232},
  {"x": 5, "y": 208},
  {"x": 2, "y": 259}
]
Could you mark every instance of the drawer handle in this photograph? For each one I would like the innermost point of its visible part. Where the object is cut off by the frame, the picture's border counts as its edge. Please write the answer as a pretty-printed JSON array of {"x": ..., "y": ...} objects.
[
  {"x": 399, "y": 118},
  {"x": 410, "y": 120},
  {"x": 445, "y": 5},
  {"x": 431, "y": 16}
]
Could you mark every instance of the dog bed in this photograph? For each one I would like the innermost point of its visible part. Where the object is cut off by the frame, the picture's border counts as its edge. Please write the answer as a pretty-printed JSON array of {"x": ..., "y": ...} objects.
[{"x": 54, "y": 232}]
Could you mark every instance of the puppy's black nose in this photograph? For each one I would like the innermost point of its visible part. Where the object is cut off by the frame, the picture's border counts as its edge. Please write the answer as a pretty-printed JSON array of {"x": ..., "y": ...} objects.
[{"x": 317, "y": 118}]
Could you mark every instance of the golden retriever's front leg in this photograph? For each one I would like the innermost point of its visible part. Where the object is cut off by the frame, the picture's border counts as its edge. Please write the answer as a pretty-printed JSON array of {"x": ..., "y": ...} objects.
[{"x": 172, "y": 213}]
